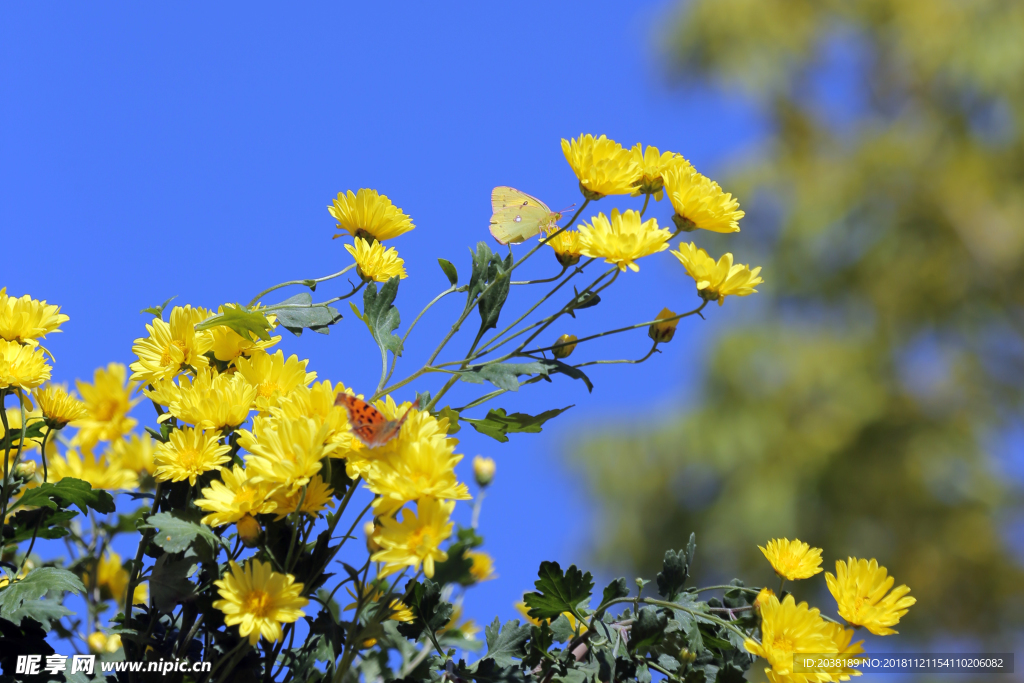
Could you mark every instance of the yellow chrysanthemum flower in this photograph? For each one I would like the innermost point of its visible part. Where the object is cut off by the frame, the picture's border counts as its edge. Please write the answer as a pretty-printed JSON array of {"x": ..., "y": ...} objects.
[
  {"x": 416, "y": 539},
  {"x": 234, "y": 496},
  {"x": 163, "y": 392},
  {"x": 788, "y": 629},
  {"x": 482, "y": 568},
  {"x": 112, "y": 580},
  {"x": 699, "y": 202},
  {"x": 273, "y": 376},
  {"x": 653, "y": 164},
  {"x": 317, "y": 498},
  {"x": 374, "y": 262},
  {"x": 102, "y": 472},
  {"x": 762, "y": 598},
  {"x": 715, "y": 281},
  {"x": 212, "y": 401},
  {"x": 189, "y": 453},
  {"x": 258, "y": 600},
  {"x": 860, "y": 589},
  {"x": 23, "y": 319},
  {"x": 317, "y": 402},
  {"x": 228, "y": 345},
  {"x": 108, "y": 400},
  {"x": 566, "y": 245},
  {"x": 135, "y": 453},
  {"x": 792, "y": 560},
  {"x": 58, "y": 407},
  {"x": 602, "y": 166},
  {"x": 285, "y": 451},
  {"x": 172, "y": 346},
  {"x": 363, "y": 462},
  {"x": 844, "y": 649},
  {"x": 419, "y": 462},
  {"x": 22, "y": 366},
  {"x": 100, "y": 643},
  {"x": 369, "y": 215},
  {"x": 623, "y": 239}
]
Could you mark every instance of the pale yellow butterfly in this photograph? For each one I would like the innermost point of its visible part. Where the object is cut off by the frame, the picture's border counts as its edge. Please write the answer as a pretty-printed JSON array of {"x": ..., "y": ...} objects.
[{"x": 518, "y": 216}]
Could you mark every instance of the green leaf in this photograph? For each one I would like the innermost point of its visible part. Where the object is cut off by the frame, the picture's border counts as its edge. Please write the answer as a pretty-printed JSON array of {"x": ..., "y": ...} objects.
[
  {"x": 488, "y": 671},
  {"x": 44, "y": 522},
  {"x": 561, "y": 629},
  {"x": 478, "y": 276},
  {"x": 66, "y": 492},
  {"x": 302, "y": 314},
  {"x": 614, "y": 590},
  {"x": 453, "y": 418},
  {"x": 34, "y": 585},
  {"x": 508, "y": 643},
  {"x": 456, "y": 568},
  {"x": 554, "y": 366},
  {"x": 168, "y": 582},
  {"x": 585, "y": 300},
  {"x": 493, "y": 298},
  {"x": 498, "y": 424},
  {"x": 175, "y": 533},
  {"x": 428, "y": 609},
  {"x": 502, "y": 375},
  {"x": 558, "y": 592},
  {"x": 44, "y": 611},
  {"x": 241, "y": 320},
  {"x": 449, "y": 271},
  {"x": 647, "y": 630},
  {"x": 158, "y": 311},
  {"x": 380, "y": 316},
  {"x": 34, "y": 430},
  {"x": 675, "y": 570}
]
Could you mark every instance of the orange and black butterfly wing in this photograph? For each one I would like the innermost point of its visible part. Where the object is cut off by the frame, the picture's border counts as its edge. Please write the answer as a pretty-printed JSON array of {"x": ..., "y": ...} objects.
[
  {"x": 391, "y": 429},
  {"x": 365, "y": 420}
]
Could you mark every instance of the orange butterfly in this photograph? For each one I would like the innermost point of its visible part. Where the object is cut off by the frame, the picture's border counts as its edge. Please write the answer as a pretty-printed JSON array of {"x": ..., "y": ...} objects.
[{"x": 368, "y": 424}]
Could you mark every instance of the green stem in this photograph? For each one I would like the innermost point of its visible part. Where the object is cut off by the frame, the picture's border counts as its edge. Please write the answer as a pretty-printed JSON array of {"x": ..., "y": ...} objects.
[
  {"x": 307, "y": 283},
  {"x": 35, "y": 529},
  {"x": 647, "y": 198},
  {"x": 539, "y": 282}
]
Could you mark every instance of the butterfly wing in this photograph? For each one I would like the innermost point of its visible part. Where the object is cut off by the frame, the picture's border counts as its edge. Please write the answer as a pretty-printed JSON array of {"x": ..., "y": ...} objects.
[
  {"x": 517, "y": 216},
  {"x": 368, "y": 424}
]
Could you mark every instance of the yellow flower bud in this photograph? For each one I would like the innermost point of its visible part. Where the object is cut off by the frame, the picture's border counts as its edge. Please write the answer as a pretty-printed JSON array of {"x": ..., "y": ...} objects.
[
  {"x": 371, "y": 544},
  {"x": 663, "y": 332},
  {"x": 483, "y": 470},
  {"x": 100, "y": 642},
  {"x": 762, "y": 597},
  {"x": 248, "y": 530},
  {"x": 25, "y": 469},
  {"x": 564, "y": 351}
]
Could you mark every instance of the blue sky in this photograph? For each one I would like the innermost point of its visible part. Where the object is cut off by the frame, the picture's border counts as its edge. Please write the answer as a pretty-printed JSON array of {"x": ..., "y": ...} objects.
[{"x": 151, "y": 151}]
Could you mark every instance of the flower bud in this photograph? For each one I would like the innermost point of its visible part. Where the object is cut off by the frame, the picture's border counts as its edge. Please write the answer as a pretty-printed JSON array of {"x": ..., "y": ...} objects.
[
  {"x": 686, "y": 657},
  {"x": 371, "y": 544},
  {"x": 762, "y": 598},
  {"x": 663, "y": 332},
  {"x": 483, "y": 470},
  {"x": 25, "y": 469},
  {"x": 564, "y": 351},
  {"x": 684, "y": 224},
  {"x": 248, "y": 530}
]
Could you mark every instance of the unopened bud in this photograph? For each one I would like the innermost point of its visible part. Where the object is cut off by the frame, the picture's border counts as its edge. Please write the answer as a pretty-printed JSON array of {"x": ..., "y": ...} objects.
[
  {"x": 564, "y": 351},
  {"x": 248, "y": 530},
  {"x": 663, "y": 332},
  {"x": 686, "y": 657},
  {"x": 762, "y": 598},
  {"x": 25, "y": 469},
  {"x": 371, "y": 544},
  {"x": 483, "y": 470}
]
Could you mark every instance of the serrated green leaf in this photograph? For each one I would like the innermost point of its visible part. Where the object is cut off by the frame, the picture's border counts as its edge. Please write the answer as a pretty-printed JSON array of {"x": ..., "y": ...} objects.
[
  {"x": 558, "y": 592},
  {"x": 158, "y": 311},
  {"x": 34, "y": 430},
  {"x": 561, "y": 629},
  {"x": 44, "y": 611},
  {"x": 34, "y": 586},
  {"x": 498, "y": 424},
  {"x": 648, "y": 630},
  {"x": 614, "y": 590},
  {"x": 675, "y": 570},
  {"x": 168, "y": 583},
  {"x": 428, "y": 609},
  {"x": 456, "y": 569},
  {"x": 453, "y": 419},
  {"x": 44, "y": 522},
  {"x": 241, "y": 320},
  {"x": 487, "y": 671},
  {"x": 381, "y": 316},
  {"x": 449, "y": 271},
  {"x": 66, "y": 492},
  {"x": 300, "y": 313},
  {"x": 175, "y": 533},
  {"x": 502, "y": 375},
  {"x": 506, "y": 643}
]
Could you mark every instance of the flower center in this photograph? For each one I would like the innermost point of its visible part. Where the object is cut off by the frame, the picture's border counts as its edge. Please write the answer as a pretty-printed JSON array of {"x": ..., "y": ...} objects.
[
  {"x": 166, "y": 358},
  {"x": 105, "y": 409},
  {"x": 267, "y": 389},
  {"x": 422, "y": 541},
  {"x": 256, "y": 603},
  {"x": 190, "y": 460}
]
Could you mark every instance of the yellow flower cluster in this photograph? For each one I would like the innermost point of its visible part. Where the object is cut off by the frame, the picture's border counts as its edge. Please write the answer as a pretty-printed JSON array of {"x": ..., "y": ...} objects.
[
  {"x": 603, "y": 167},
  {"x": 370, "y": 218},
  {"x": 861, "y": 590}
]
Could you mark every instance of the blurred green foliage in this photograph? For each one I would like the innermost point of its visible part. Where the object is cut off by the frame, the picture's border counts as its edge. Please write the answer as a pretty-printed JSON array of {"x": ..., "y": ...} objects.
[{"x": 859, "y": 411}]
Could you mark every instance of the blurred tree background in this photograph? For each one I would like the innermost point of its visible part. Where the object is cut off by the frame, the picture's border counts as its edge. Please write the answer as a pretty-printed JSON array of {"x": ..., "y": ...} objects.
[{"x": 864, "y": 409}]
